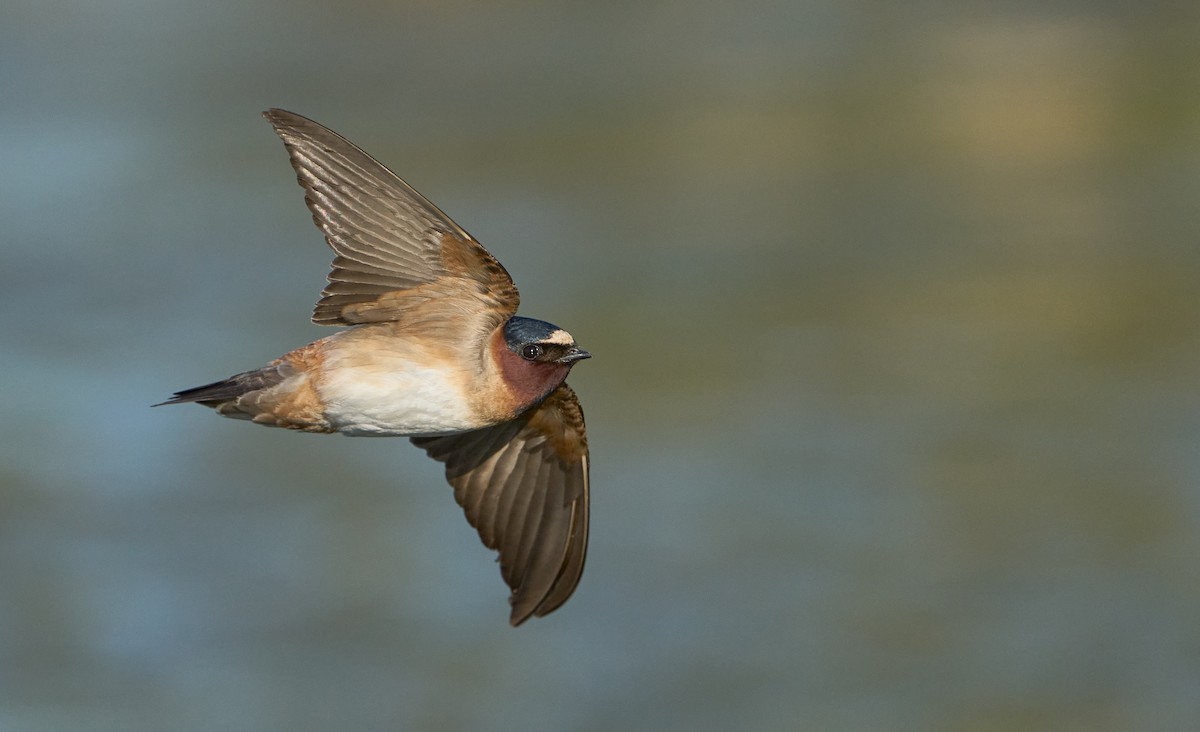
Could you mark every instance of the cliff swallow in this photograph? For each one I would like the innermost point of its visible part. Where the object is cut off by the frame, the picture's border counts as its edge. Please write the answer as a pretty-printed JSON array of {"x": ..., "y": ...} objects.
[{"x": 436, "y": 352}]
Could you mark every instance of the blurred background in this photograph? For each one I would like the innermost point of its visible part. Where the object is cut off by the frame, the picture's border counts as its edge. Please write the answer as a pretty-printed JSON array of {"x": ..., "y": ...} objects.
[{"x": 893, "y": 409}]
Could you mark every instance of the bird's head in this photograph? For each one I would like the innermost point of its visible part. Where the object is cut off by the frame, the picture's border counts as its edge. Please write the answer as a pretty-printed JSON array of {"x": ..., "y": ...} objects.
[{"x": 536, "y": 358}]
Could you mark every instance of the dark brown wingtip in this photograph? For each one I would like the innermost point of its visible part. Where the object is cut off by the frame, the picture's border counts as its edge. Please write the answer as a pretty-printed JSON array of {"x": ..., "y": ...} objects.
[
  {"x": 517, "y": 617},
  {"x": 275, "y": 116},
  {"x": 289, "y": 124},
  {"x": 539, "y": 609}
]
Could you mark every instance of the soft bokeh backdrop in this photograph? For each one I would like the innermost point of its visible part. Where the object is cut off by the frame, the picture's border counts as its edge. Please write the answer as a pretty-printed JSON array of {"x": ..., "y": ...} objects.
[{"x": 894, "y": 413}]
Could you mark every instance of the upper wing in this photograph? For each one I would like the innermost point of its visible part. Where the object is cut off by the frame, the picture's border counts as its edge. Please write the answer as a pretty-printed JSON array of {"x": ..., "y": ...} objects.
[
  {"x": 387, "y": 238},
  {"x": 524, "y": 486}
]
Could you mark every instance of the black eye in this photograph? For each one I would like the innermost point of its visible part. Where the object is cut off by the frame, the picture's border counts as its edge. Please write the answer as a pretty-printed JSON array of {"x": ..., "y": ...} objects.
[{"x": 531, "y": 352}]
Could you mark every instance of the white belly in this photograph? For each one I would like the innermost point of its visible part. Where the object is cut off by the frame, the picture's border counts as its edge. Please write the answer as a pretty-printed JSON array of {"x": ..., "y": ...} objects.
[{"x": 396, "y": 398}]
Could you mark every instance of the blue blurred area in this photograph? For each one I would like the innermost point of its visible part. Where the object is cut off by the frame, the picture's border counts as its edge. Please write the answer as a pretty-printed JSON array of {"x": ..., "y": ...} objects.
[{"x": 893, "y": 411}]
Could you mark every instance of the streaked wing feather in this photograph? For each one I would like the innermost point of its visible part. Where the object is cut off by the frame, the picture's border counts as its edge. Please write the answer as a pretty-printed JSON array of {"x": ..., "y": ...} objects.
[
  {"x": 524, "y": 531},
  {"x": 386, "y": 236},
  {"x": 568, "y": 577},
  {"x": 503, "y": 478},
  {"x": 524, "y": 487}
]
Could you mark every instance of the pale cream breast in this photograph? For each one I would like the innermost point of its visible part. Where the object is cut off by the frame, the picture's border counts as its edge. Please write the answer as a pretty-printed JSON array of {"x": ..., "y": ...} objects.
[{"x": 375, "y": 383}]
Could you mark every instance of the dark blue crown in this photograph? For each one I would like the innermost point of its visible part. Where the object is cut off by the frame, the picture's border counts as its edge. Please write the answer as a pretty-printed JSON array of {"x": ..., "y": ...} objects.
[{"x": 518, "y": 331}]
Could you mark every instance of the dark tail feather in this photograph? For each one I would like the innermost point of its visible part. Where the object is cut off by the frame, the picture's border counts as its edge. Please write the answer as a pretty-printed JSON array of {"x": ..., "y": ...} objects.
[{"x": 213, "y": 394}]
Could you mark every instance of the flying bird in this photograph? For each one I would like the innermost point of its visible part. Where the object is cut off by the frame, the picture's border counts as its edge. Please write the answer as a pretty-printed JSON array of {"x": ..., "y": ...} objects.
[{"x": 434, "y": 351}]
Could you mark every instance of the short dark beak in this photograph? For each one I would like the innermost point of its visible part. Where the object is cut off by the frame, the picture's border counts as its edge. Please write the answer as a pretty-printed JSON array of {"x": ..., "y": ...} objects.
[{"x": 575, "y": 354}]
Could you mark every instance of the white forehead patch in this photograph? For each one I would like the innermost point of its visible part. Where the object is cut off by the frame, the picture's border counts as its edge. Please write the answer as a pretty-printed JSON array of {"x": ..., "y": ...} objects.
[{"x": 560, "y": 337}]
